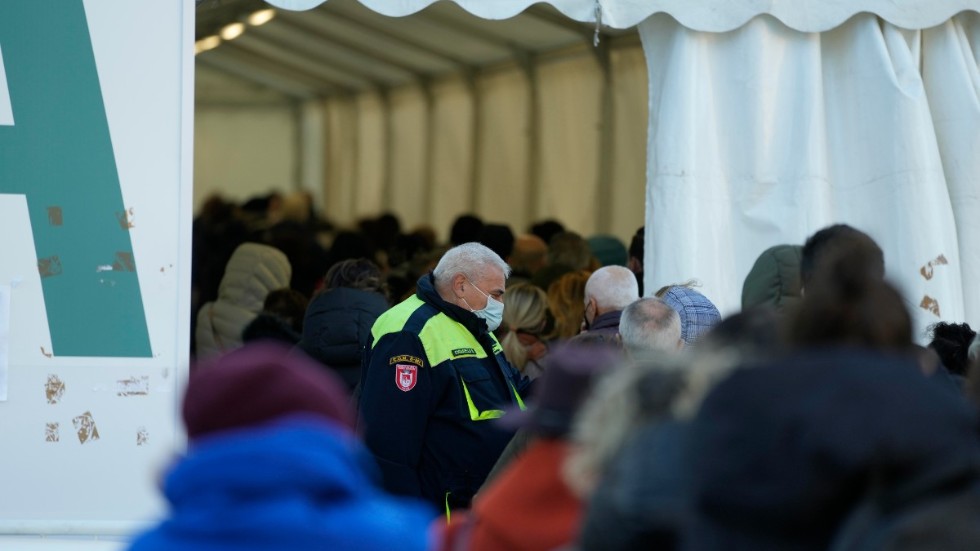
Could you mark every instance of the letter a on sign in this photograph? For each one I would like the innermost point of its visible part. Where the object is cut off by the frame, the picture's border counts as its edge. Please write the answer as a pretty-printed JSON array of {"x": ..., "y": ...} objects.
[{"x": 59, "y": 156}]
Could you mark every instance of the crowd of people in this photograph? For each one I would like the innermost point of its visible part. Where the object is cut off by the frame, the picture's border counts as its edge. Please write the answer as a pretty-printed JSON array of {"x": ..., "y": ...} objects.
[{"x": 502, "y": 392}]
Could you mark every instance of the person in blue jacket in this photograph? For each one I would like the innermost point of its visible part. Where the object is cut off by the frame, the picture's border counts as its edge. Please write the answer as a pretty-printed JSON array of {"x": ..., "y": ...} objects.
[
  {"x": 434, "y": 378},
  {"x": 273, "y": 463}
]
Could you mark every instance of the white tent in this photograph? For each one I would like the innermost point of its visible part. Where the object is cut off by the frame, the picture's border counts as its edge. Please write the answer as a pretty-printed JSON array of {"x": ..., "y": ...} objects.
[{"x": 767, "y": 120}]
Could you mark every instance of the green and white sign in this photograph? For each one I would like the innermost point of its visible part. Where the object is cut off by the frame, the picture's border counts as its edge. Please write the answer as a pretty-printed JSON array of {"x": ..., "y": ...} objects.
[
  {"x": 57, "y": 151},
  {"x": 96, "y": 130}
]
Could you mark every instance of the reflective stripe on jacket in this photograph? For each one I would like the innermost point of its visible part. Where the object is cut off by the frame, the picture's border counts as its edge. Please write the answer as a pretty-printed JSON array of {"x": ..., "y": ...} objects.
[{"x": 435, "y": 378}]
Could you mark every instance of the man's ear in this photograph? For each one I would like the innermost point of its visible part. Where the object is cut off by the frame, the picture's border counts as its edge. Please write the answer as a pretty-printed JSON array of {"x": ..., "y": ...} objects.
[
  {"x": 680, "y": 344},
  {"x": 595, "y": 307},
  {"x": 459, "y": 284}
]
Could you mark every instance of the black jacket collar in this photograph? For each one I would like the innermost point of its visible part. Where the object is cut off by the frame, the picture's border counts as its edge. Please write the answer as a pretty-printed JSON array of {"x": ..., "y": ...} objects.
[{"x": 426, "y": 290}]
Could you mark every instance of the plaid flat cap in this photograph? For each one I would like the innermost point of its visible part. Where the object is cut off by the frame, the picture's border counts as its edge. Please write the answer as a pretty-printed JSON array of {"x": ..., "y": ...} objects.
[{"x": 697, "y": 313}]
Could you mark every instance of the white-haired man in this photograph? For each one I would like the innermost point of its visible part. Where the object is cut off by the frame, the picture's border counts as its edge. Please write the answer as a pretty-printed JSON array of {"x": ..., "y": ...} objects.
[
  {"x": 607, "y": 292},
  {"x": 435, "y": 376},
  {"x": 650, "y": 325}
]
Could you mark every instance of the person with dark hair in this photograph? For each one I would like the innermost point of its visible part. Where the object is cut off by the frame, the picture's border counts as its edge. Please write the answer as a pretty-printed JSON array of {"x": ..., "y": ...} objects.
[
  {"x": 294, "y": 234},
  {"x": 952, "y": 342},
  {"x": 841, "y": 239},
  {"x": 530, "y": 254},
  {"x": 499, "y": 238},
  {"x": 466, "y": 229},
  {"x": 838, "y": 448},
  {"x": 546, "y": 229},
  {"x": 567, "y": 252},
  {"x": 337, "y": 326},
  {"x": 846, "y": 303},
  {"x": 281, "y": 318},
  {"x": 259, "y": 209},
  {"x": 273, "y": 463},
  {"x": 349, "y": 245},
  {"x": 635, "y": 261},
  {"x": 755, "y": 333},
  {"x": 384, "y": 233}
]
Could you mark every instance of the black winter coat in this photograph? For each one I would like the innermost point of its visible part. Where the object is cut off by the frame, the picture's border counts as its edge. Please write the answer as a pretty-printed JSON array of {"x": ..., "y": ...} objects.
[{"x": 337, "y": 327}]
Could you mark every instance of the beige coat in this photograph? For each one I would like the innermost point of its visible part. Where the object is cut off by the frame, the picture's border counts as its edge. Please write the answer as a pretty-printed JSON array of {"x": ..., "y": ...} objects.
[{"x": 253, "y": 271}]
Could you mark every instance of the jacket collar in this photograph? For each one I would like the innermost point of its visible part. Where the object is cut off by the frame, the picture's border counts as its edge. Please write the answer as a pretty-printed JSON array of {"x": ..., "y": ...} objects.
[
  {"x": 607, "y": 320},
  {"x": 426, "y": 290}
]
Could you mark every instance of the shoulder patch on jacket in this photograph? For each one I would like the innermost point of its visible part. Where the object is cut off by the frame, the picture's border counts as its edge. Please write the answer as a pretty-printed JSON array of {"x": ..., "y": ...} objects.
[
  {"x": 463, "y": 352},
  {"x": 405, "y": 360},
  {"x": 406, "y": 375}
]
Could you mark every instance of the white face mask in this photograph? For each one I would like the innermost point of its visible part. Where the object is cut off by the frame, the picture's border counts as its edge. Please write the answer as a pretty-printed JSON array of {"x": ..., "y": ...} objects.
[{"x": 492, "y": 313}]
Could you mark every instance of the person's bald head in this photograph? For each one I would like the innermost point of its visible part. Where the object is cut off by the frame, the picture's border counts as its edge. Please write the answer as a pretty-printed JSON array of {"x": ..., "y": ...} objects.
[
  {"x": 529, "y": 255},
  {"x": 650, "y": 325},
  {"x": 611, "y": 288}
]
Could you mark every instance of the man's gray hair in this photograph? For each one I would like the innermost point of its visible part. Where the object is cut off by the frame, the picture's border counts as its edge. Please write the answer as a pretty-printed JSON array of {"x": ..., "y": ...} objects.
[
  {"x": 469, "y": 259},
  {"x": 649, "y": 325},
  {"x": 612, "y": 287}
]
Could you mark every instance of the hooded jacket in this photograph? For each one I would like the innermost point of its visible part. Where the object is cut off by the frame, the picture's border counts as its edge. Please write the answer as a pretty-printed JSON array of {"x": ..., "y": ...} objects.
[
  {"x": 774, "y": 279},
  {"x": 298, "y": 483},
  {"x": 253, "y": 271}
]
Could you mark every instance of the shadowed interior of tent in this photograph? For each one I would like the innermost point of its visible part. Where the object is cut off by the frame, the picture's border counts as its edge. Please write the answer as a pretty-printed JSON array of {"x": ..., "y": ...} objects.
[{"x": 426, "y": 116}]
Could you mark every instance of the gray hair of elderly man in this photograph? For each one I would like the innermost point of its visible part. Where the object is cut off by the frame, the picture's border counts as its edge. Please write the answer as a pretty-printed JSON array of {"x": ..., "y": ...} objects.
[
  {"x": 469, "y": 259},
  {"x": 650, "y": 325},
  {"x": 612, "y": 287}
]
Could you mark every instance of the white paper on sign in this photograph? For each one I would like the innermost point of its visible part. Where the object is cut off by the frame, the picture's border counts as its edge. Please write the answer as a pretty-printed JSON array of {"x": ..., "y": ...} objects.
[{"x": 4, "y": 339}]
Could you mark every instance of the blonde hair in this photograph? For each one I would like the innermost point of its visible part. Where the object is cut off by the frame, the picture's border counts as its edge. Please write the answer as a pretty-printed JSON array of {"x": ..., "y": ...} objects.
[
  {"x": 525, "y": 309},
  {"x": 566, "y": 299},
  {"x": 690, "y": 284}
]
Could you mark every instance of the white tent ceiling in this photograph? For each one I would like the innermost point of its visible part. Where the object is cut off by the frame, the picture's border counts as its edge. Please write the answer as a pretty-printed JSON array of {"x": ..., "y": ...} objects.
[{"x": 345, "y": 48}]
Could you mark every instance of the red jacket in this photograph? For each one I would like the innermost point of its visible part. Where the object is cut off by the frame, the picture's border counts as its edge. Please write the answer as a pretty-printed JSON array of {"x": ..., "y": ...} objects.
[{"x": 529, "y": 508}]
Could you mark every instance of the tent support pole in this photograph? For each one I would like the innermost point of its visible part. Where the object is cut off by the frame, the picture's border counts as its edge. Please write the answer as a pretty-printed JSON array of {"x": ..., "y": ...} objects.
[
  {"x": 476, "y": 146},
  {"x": 532, "y": 176},
  {"x": 299, "y": 149},
  {"x": 428, "y": 175},
  {"x": 388, "y": 183},
  {"x": 355, "y": 182},
  {"x": 329, "y": 184},
  {"x": 604, "y": 179}
]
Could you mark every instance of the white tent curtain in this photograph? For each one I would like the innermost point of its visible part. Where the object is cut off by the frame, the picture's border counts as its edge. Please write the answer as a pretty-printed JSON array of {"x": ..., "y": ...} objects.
[
  {"x": 482, "y": 159},
  {"x": 764, "y": 134},
  {"x": 570, "y": 117},
  {"x": 230, "y": 140}
]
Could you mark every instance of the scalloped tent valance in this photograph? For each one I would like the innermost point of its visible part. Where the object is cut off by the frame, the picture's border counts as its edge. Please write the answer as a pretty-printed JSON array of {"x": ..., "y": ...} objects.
[{"x": 717, "y": 16}]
